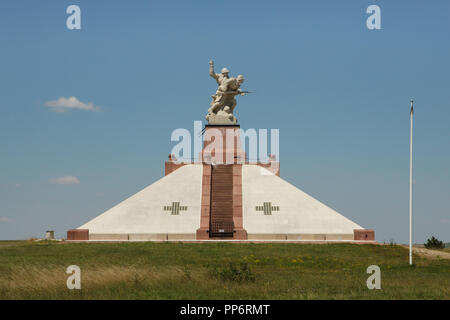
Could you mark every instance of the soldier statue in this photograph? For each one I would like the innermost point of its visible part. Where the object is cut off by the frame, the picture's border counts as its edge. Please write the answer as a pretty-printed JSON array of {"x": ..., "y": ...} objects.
[{"x": 224, "y": 101}]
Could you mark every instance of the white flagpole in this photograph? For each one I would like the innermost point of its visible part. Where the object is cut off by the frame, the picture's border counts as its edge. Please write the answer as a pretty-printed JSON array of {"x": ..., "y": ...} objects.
[{"x": 411, "y": 181}]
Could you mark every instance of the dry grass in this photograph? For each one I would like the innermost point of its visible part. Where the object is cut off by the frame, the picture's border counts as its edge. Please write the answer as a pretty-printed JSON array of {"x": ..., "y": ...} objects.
[
  {"x": 432, "y": 254},
  {"x": 36, "y": 270},
  {"x": 25, "y": 282}
]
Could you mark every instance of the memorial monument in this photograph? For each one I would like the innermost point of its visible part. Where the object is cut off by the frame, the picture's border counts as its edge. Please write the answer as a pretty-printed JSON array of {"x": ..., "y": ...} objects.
[{"x": 223, "y": 196}]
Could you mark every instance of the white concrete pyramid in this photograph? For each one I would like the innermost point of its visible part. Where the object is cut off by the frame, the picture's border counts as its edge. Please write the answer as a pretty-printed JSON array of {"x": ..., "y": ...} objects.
[
  {"x": 170, "y": 208},
  {"x": 297, "y": 216},
  {"x": 142, "y": 216}
]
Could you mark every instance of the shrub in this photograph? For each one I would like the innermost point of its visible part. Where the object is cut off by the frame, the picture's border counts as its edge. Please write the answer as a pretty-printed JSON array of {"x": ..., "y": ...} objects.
[
  {"x": 434, "y": 243},
  {"x": 234, "y": 272}
]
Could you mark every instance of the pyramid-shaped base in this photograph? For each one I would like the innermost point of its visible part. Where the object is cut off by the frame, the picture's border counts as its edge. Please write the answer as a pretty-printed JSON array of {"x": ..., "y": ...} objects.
[{"x": 178, "y": 208}]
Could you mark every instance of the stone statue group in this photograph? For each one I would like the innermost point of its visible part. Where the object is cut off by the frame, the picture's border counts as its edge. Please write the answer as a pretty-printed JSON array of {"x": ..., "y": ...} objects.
[{"x": 224, "y": 101}]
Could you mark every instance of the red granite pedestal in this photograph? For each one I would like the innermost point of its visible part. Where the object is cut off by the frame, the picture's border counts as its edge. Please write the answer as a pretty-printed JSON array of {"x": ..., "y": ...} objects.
[{"x": 221, "y": 207}]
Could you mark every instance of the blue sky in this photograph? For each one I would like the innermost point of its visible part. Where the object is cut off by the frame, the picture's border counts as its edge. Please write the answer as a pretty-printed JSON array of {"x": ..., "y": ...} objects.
[{"x": 338, "y": 92}]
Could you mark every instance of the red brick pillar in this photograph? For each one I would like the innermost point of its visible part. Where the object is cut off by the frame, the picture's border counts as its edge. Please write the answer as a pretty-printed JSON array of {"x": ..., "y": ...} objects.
[
  {"x": 364, "y": 234},
  {"x": 222, "y": 146},
  {"x": 239, "y": 232},
  {"x": 78, "y": 234},
  {"x": 203, "y": 231}
]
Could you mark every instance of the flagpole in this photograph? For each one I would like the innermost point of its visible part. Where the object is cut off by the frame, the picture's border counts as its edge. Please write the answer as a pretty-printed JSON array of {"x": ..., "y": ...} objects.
[{"x": 411, "y": 181}]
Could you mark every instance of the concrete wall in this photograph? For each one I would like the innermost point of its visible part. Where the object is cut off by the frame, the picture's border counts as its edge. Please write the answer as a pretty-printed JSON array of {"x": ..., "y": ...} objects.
[
  {"x": 142, "y": 237},
  {"x": 301, "y": 237}
]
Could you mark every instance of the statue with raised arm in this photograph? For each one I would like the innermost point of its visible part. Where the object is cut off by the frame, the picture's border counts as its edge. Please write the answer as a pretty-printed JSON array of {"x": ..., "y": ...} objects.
[
  {"x": 224, "y": 101},
  {"x": 219, "y": 77}
]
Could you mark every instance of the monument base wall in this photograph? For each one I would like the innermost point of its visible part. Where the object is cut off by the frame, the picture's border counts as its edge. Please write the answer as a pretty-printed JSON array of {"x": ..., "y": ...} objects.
[
  {"x": 109, "y": 236},
  {"x": 364, "y": 234},
  {"x": 359, "y": 236},
  {"x": 83, "y": 235},
  {"x": 239, "y": 236},
  {"x": 78, "y": 234},
  {"x": 301, "y": 237}
]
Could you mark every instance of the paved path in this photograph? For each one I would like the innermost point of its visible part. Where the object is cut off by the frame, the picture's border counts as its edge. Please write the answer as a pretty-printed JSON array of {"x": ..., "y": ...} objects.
[{"x": 427, "y": 253}]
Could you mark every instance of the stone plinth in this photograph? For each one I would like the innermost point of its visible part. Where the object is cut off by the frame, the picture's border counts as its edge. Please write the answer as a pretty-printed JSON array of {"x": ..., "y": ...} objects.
[
  {"x": 222, "y": 145},
  {"x": 221, "y": 118},
  {"x": 78, "y": 234},
  {"x": 364, "y": 234}
]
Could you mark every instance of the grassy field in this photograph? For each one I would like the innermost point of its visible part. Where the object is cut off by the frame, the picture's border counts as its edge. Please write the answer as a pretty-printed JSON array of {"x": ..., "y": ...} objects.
[{"x": 36, "y": 270}]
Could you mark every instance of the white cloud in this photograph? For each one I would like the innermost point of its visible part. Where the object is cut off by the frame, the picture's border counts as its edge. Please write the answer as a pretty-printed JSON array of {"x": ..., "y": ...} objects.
[
  {"x": 4, "y": 219},
  {"x": 64, "y": 104},
  {"x": 67, "y": 180}
]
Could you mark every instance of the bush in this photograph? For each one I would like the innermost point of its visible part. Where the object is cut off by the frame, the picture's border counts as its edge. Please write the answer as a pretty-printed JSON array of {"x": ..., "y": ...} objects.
[
  {"x": 434, "y": 243},
  {"x": 234, "y": 272}
]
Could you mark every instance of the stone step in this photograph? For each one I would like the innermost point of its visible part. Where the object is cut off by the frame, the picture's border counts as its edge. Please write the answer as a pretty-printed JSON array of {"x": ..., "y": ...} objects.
[{"x": 221, "y": 212}]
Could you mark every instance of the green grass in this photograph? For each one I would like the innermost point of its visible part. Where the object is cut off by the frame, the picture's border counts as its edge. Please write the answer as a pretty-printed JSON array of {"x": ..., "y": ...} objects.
[{"x": 145, "y": 270}]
